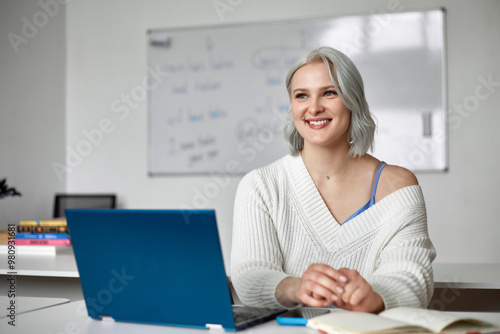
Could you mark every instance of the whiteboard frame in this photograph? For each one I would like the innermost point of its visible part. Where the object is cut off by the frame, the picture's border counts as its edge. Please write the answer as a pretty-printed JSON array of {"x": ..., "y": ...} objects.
[{"x": 444, "y": 81}]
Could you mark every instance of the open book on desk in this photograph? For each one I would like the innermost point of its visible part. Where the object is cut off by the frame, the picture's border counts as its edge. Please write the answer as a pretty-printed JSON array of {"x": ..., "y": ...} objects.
[{"x": 399, "y": 320}]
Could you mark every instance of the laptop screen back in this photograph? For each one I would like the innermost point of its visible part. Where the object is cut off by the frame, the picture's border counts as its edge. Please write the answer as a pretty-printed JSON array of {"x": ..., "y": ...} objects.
[{"x": 151, "y": 266}]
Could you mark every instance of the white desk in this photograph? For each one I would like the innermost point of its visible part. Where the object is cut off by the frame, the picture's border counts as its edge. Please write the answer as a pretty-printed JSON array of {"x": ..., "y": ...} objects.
[
  {"x": 446, "y": 275},
  {"x": 28, "y": 304},
  {"x": 466, "y": 286},
  {"x": 60, "y": 265},
  {"x": 57, "y": 276},
  {"x": 44, "y": 275},
  {"x": 72, "y": 318},
  {"x": 467, "y": 275}
]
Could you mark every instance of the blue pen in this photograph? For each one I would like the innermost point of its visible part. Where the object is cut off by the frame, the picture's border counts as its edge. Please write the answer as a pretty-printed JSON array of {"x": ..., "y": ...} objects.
[{"x": 299, "y": 316}]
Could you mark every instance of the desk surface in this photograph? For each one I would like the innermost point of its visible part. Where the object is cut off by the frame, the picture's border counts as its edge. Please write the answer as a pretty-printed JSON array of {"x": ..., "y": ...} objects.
[
  {"x": 72, "y": 318},
  {"x": 60, "y": 265},
  {"x": 28, "y": 304},
  {"x": 446, "y": 275},
  {"x": 467, "y": 275}
]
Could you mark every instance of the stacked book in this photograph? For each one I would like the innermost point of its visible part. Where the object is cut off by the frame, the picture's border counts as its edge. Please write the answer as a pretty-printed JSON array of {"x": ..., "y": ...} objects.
[{"x": 42, "y": 233}]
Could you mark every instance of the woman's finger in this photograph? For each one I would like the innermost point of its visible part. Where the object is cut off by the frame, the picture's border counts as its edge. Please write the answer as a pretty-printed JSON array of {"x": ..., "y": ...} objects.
[
  {"x": 310, "y": 300},
  {"x": 318, "y": 290},
  {"x": 360, "y": 294}
]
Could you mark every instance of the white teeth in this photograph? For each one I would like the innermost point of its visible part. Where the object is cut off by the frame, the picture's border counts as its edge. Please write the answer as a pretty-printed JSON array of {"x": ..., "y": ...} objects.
[{"x": 318, "y": 122}]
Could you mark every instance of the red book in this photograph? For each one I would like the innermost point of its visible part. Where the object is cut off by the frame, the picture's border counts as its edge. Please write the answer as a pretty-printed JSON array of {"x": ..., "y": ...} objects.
[{"x": 43, "y": 242}]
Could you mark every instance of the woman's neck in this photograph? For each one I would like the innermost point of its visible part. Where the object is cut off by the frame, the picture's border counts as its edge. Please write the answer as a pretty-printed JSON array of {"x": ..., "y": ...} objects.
[{"x": 324, "y": 163}]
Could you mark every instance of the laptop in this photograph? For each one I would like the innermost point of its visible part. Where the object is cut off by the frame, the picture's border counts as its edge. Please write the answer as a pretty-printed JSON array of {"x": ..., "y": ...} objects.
[{"x": 161, "y": 267}]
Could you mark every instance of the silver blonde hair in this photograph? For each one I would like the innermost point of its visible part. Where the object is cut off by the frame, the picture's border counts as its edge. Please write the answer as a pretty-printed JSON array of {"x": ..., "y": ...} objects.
[{"x": 350, "y": 89}]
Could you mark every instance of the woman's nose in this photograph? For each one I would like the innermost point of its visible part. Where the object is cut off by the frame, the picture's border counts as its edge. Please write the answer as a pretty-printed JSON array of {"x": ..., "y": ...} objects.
[{"x": 316, "y": 106}]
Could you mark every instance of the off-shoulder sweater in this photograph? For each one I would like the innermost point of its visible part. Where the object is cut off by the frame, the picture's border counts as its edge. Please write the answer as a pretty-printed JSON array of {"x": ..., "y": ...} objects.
[{"x": 282, "y": 225}]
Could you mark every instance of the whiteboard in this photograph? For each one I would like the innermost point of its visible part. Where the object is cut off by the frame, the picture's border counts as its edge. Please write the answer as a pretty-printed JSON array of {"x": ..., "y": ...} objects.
[{"x": 219, "y": 101}]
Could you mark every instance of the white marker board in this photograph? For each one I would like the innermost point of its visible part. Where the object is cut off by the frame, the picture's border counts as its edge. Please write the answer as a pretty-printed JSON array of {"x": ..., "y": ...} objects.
[{"x": 220, "y": 106}]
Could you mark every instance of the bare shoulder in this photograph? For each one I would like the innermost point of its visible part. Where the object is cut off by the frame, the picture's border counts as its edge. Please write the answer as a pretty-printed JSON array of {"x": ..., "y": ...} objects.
[
  {"x": 394, "y": 178},
  {"x": 400, "y": 177}
]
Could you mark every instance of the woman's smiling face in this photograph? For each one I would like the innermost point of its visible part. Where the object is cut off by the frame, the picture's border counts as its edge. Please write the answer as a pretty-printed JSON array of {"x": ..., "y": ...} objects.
[{"x": 319, "y": 114}]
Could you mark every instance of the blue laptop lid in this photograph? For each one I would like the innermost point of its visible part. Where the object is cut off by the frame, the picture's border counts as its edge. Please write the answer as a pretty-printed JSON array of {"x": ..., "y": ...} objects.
[{"x": 151, "y": 266}]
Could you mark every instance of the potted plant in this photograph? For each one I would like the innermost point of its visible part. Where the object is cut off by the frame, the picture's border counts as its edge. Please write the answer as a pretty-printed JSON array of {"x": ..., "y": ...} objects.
[{"x": 6, "y": 191}]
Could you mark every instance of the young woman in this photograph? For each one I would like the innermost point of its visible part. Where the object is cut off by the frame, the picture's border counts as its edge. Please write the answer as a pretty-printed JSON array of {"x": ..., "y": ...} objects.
[{"x": 330, "y": 224}]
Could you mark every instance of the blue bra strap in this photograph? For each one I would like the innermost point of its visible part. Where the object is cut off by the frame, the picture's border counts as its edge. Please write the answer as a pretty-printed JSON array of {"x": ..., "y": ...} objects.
[
  {"x": 383, "y": 164},
  {"x": 372, "y": 199}
]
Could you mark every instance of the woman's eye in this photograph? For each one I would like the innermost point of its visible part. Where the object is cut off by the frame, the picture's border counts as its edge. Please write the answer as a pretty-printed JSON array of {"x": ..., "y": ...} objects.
[
  {"x": 300, "y": 96},
  {"x": 330, "y": 93}
]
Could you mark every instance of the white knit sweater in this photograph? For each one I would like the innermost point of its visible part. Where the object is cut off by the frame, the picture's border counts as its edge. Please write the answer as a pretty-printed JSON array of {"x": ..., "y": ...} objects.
[{"x": 282, "y": 225}]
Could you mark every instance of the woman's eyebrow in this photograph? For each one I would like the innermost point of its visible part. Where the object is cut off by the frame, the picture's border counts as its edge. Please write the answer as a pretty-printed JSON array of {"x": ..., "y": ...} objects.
[
  {"x": 320, "y": 88},
  {"x": 300, "y": 89}
]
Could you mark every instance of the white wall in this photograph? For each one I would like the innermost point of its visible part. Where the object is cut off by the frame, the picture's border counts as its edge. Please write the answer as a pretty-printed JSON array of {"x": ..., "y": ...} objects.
[
  {"x": 106, "y": 57},
  {"x": 32, "y": 110}
]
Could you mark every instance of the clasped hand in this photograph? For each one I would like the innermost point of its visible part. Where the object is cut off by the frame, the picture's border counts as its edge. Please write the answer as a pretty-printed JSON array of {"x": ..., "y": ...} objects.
[{"x": 321, "y": 286}]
